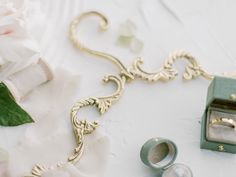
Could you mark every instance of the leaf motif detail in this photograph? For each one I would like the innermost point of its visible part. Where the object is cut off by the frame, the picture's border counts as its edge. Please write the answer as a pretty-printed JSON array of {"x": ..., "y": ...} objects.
[
  {"x": 103, "y": 105},
  {"x": 192, "y": 72},
  {"x": 166, "y": 73},
  {"x": 11, "y": 114}
]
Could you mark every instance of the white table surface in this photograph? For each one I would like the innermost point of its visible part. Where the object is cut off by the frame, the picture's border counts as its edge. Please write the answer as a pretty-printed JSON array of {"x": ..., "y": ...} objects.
[{"x": 171, "y": 110}]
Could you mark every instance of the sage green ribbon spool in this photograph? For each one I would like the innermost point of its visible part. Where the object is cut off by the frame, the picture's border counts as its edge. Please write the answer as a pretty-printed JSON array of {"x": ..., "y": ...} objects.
[{"x": 160, "y": 154}]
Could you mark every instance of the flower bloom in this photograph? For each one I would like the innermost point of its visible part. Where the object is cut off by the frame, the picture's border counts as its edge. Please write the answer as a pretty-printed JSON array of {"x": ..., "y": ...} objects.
[{"x": 16, "y": 45}]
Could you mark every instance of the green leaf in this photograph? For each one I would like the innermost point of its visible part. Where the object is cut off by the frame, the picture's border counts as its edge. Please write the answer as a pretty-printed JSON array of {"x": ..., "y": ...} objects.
[{"x": 11, "y": 114}]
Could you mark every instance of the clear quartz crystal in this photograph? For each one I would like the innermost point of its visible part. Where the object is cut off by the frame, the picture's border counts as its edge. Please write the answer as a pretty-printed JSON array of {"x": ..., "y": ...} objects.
[
  {"x": 127, "y": 37},
  {"x": 127, "y": 29},
  {"x": 136, "y": 45},
  {"x": 178, "y": 170}
]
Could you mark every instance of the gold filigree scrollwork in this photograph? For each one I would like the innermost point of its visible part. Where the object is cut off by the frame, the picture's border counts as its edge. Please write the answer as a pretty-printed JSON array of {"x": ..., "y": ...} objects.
[
  {"x": 83, "y": 127},
  {"x": 167, "y": 72},
  {"x": 83, "y": 48},
  {"x": 192, "y": 70},
  {"x": 38, "y": 170},
  {"x": 164, "y": 74}
]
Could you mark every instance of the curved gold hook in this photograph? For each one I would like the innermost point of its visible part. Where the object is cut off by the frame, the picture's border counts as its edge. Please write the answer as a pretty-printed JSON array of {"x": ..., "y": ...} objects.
[
  {"x": 103, "y": 25},
  {"x": 74, "y": 24}
]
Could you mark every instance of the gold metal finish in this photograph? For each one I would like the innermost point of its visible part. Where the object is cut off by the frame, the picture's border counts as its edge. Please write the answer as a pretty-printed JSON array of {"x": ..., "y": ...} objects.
[
  {"x": 103, "y": 26},
  {"x": 83, "y": 127},
  {"x": 167, "y": 72},
  {"x": 221, "y": 148},
  {"x": 223, "y": 121},
  {"x": 233, "y": 97}
]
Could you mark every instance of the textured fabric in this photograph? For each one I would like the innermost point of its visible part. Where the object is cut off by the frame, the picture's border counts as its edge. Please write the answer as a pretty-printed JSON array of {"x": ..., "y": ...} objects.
[
  {"x": 17, "y": 47},
  {"x": 50, "y": 139}
]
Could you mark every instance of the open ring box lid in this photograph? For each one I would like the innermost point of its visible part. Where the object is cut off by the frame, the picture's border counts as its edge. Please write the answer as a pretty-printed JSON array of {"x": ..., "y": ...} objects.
[
  {"x": 159, "y": 154},
  {"x": 219, "y": 119}
]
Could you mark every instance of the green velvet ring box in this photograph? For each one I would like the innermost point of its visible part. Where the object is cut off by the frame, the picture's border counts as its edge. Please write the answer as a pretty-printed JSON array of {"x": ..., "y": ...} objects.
[{"x": 219, "y": 120}]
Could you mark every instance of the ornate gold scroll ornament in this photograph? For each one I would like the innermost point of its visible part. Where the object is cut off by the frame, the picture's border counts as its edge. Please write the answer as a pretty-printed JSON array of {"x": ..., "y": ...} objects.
[{"x": 166, "y": 73}]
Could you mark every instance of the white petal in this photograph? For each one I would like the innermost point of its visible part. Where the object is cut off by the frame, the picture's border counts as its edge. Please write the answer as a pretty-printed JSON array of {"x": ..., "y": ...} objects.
[
  {"x": 16, "y": 54},
  {"x": 14, "y": 50},
  {"x": 17, "y": 47}
]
